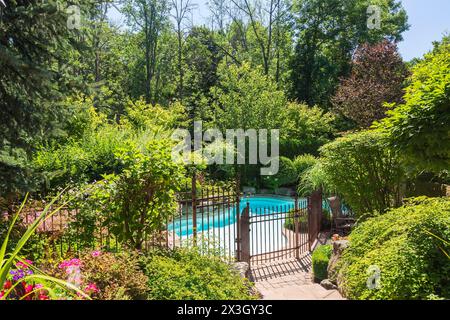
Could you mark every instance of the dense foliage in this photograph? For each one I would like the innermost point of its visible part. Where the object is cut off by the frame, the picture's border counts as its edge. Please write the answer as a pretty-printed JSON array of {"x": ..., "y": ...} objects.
[
  {"x": 362, "y": 169},
  {"x": 304, "y": 129},
  {"x": 287, "y": 175},
  {"x": 420, "y": 127},
  {"x": 136, "y": 201},
  {"x": 408, "y": 245},
  {"x": 328, "y": 32},
  {"x": 320, "y": 257},
  {"x": 110, "y": 276},
  {"x": 186, "y": 274},
  {"x": 35, "y": 76},
  {"x": 377, "y": 77},
  {"x": 303, "y": 163}
]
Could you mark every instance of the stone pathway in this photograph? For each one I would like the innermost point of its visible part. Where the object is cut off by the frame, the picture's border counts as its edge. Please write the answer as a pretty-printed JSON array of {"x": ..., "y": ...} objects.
[{"x": 290, "y": 280}]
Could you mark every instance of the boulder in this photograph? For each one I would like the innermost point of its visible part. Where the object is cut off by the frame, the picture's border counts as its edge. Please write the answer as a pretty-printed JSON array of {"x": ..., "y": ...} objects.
[
  {"x": 327, "y": 284},
  {"x": 338, "y": 247},
  {"x": 241, "y": 268}
]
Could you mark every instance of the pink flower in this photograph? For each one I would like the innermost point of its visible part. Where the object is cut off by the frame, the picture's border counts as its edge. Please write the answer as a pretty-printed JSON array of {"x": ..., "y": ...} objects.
[
  {"x": 96, "y": 253},
  {"x": 38, "y": 286},
  {"x": 43, "y": 297},
  {"x": 91, "y": 288},
  {"x": 70, "y": 263},
  {"x": 23, "y": 265},
  {"x": 28, "y": 287}
]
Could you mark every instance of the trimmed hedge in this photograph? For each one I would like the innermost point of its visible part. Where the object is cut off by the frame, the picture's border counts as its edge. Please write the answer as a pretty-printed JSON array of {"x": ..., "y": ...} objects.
[
  {"x": 320, "y": 258},
  {"x": 410, "y": 246}
]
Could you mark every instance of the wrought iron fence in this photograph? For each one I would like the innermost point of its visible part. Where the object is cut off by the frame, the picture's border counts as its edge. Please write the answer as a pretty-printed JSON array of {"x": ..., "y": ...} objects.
[{"x": 210, "y": 217}]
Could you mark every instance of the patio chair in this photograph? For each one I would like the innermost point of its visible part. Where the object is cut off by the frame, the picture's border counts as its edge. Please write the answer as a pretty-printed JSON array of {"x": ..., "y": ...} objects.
[{"x": 340, "y": 223}]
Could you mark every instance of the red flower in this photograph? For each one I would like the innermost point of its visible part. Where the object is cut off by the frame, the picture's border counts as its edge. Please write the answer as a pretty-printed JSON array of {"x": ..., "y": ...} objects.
[
  {"x": 7, "y": 285},
  {"x": 43, "y": 297}
]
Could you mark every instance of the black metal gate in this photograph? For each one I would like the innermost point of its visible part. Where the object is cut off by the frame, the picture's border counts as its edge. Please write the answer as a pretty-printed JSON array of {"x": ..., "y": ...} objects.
[{"x": 281, "y": 232}]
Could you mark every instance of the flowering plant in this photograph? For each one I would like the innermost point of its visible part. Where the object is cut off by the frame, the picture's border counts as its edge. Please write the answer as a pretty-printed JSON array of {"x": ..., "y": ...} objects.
[
  {"x": 72, "y": 270},
  {"x": 18, "y": 288},
  {"x": 18, "y": 278},
  {"x": 104, "y": 275}
]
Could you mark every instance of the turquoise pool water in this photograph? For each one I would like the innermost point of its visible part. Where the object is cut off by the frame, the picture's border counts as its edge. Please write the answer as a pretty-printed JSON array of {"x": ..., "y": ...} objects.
[{"x": 226, "y": 216}]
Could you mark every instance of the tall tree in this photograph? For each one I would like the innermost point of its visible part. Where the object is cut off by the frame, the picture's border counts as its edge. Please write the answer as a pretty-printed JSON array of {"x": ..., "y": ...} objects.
[
  {"x": 181, "y": 9},
  {"x": 263, "y": 18},
  {"x": 36, "y": 39},
  {"x": 377, "y": 76},
  {"x": 203, "y": 56},
  {"x": 149, "y": 17},
  {"x": 327, "y": 34}
]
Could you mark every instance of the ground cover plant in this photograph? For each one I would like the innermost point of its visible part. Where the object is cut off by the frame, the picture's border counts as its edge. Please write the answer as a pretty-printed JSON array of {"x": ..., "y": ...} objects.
[{"x": 406, "y": 245}]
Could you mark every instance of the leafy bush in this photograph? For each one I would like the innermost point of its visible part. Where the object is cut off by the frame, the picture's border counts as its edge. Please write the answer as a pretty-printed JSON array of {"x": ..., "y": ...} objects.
[
  {"x": 90, "y": 150},
  {"x": 362, "y": 169},
  {"x": 82, "y": 160},
  {"x": 302, "y": 163},
  {"x": 404, "y": 244},
  {"x": 286, "y": 175},
  {"x": 138, "y": 200},
  {"x": 19, "y": 279},
  {"x": 314, "y": 178},
  {"x": 304, "y": 129},
  {"x": 246, "y": 98},
  {"x": 420, "y": 127},
  {"x": 105, "y": 275},
  {"x": 320, "y": 258},
  {"x": 188, "y": 275}
]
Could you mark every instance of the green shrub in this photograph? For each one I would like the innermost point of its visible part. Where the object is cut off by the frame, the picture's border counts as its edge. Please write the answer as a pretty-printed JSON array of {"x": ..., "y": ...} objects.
[
  {"x": 312, "y": 179},
  {"x": 286, "y": 175},
  {"x": 188, "y": 275},
  {"x": 320, "y": 258},
  {"x": 304, "y": 129},
  {"x": 135, "y": 202},
  {"x": 404, "y": 244},
  {"x": 302, "y": 163},
  {"x": 90, "y": 150},
  {"x": 363, "y": 170},
  {"x": 116, "y": 275},
  {"x": 419, "y": 128}
]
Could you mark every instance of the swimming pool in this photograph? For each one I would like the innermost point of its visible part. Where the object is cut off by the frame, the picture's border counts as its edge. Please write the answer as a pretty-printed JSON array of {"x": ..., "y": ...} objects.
[{"x": 183, "y": 227}]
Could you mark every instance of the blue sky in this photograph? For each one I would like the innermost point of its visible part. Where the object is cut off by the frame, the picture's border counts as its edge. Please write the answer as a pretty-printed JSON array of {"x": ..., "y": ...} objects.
[{"x": 429, "y": 19}]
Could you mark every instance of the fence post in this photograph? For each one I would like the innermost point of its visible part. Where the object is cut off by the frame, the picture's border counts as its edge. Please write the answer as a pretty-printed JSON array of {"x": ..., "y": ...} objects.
[
  {"x": 237, "y": 224},
  {"x": 245, "y": 235},
  {"x": 314, "y": 216},
  {"x": 194, "y": 209},
  {"x": 297, "y": 229}
]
